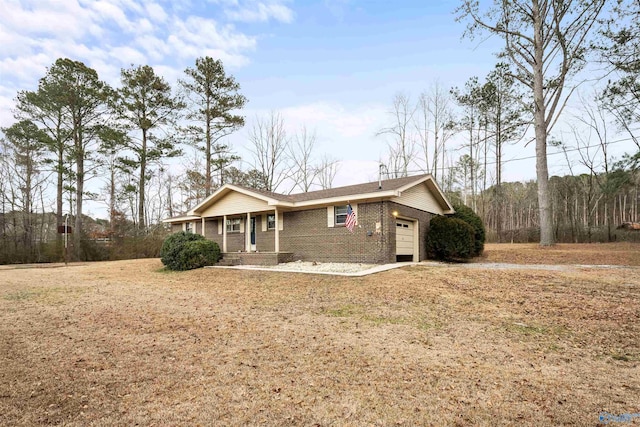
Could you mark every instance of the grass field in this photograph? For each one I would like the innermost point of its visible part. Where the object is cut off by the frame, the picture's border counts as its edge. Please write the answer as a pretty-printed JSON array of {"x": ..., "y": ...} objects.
[{"x": 126, "y": 343}]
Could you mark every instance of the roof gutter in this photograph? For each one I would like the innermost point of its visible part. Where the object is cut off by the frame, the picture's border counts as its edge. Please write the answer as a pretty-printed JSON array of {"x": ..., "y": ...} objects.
[{"x": 347, "y": 198}]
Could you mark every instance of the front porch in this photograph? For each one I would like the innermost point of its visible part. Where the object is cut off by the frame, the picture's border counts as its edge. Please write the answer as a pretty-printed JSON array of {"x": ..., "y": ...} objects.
[{"x": 255, "y": 258}]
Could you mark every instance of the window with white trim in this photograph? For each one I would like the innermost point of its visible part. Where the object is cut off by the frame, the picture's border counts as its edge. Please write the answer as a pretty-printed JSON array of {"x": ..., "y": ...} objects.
[
  {"x": 271, "y": 222},
  {"x": 233, "y": 225},
  {"x": 188, "y": 227},
  {"x": 340, "y": 213}
]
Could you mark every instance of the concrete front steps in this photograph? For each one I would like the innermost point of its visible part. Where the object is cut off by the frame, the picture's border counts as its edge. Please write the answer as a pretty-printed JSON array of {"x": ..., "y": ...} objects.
[{"x": 254, "y": 258}]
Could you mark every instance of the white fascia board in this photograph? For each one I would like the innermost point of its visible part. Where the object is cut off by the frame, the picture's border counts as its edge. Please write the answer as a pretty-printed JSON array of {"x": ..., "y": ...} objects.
[
  {"x": 181, "y": 219},
  {"x": 343, "y": 199}
]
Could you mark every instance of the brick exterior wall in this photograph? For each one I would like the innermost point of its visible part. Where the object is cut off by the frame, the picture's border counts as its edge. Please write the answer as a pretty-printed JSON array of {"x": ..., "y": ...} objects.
[
  {"x": 235, "y": 242},
  {"x": 259, "y": 258},
  {"x": 265, "y": 240},
  {"x": 211, "y": 229},
  {"x": 307, "y": 237},
  {"x": 423, "y": 223},
  {"x": 211, "y": 232}
]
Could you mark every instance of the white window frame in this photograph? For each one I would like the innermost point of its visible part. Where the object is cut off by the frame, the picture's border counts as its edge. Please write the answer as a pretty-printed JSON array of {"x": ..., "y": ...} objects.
[
  {"x": 232, "y": 223},
  {"x": 188, "y": 227},
  {"x": 271, "y": 221},
  {"x": 342, "y": 215}
]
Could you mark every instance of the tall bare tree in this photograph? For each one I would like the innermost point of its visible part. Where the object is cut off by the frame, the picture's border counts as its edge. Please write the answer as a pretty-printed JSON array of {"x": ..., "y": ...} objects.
[
  {"x": 620, "y": 50},
  {"x": 304, "y": 173},
  {"x": 546, "y": 42},
  {"x": 434, "y": 123},
  {"x": 402, "y": 146},
  {"x": 269, "y": 145},
  {"x": 327, "y": 171}
]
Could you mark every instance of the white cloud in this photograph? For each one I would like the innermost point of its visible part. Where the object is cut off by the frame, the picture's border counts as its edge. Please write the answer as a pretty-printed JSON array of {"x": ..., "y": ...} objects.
[
  {"x": 256, "y": 11},
  {"x": 104, "y": 11},
  {"x": 156, "y": 12},
  {"x": 128, "y": 55},
  {"x": 6, "y": 104},
  {"x": 261, "y": 12},
  {"x": 144, "y": 26},
  {"x": 13, "y": 44},
  {"x": 197, "y": 36},
  {"x": 23, "y": 71},
  {"x": 112, "y": 34},
  {"x": 64, "y": 19},
  {"x": 155, "y": 48}
]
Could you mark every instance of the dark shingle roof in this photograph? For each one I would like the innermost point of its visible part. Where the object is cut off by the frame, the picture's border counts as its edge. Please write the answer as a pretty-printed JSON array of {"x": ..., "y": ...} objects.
[{"x": 349, "y": 190}]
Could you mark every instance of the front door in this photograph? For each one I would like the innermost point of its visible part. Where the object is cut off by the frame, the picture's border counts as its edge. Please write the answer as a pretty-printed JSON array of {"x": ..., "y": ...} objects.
[{"x": 252, "y": 226}]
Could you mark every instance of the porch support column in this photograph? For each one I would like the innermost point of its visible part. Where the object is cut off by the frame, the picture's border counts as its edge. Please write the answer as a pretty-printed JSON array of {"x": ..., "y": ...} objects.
[
  {"x": 277, "y": 234},
  {"x": 247, "y": 233},
  {"x": 203, "y": 228},
  {"x": 224, "y": 233}
]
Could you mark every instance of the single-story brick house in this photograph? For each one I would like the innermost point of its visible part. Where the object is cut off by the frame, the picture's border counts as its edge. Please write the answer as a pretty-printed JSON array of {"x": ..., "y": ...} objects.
[{"x": 261, "y": 227}]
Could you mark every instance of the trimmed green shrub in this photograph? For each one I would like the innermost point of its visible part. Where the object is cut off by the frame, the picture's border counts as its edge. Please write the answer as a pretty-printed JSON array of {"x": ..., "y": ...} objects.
[
  {"x": 186, "y": 251},
  {"x": 196, "y": 254},
  {"x": 467, "y": 214},
  {"x": 450, "y": 239}
]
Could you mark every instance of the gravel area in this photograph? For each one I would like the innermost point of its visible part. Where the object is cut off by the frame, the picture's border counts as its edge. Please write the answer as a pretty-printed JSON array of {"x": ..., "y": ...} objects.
[{"x": 331, "y": 267}]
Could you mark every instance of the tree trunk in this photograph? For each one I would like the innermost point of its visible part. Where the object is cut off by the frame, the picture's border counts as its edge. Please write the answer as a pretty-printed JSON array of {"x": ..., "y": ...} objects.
[
  {"x": 77, "y": 233},
  {"x": 59, "y": 190},
  {"x": 207, "y": 136},
  {"x": 542, "y": 170},
  {"x": 141, "y": 184},
  {"x": 27, "y": 219},
  {"x": 112, "y": 202}
]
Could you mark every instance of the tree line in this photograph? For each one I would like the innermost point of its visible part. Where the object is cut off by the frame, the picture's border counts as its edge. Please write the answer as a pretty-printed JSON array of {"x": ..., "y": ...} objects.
[
  {"x": 551, "y": 48},
  {"x": 75, "y": 128}
]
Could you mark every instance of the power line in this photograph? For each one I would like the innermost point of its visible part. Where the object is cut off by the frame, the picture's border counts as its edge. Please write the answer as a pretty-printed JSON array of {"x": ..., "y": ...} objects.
[{"x": 533, "y": 156}]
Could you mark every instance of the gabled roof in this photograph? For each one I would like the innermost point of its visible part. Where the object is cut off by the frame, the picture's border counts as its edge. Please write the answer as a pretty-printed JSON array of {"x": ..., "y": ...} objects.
[
  {"x": 359, "y": 189},
  {"x": 371, "y": 190}
]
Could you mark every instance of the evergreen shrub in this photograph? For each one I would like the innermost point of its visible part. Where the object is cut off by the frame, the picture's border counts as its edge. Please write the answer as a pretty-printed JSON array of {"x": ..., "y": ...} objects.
[
  {"x": 450, "y": 239},
  {"x": 186, "y": 251},
  {"x": 467, "y": 214}
]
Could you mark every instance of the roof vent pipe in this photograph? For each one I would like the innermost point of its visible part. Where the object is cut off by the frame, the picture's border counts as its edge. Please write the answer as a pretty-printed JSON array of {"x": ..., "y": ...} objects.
[{"x": 380, "y": 175}]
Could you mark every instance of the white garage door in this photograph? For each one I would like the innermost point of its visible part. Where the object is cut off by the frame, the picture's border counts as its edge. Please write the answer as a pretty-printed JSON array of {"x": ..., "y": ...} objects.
[{"x": 404, "y": 237}]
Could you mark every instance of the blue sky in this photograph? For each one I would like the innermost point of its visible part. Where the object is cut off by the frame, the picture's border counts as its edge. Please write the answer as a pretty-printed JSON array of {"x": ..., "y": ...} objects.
[{"x": 331, "y": 65}]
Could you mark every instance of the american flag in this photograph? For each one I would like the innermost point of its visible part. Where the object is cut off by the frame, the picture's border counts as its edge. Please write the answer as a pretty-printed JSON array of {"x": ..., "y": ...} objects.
[{"x": 350, "y": 222}]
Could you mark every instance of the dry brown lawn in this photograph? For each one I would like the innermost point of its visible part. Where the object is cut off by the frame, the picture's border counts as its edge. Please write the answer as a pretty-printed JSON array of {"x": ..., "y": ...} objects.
[
  {"x": 126, "y": 343},
  {"x": 564, "y": 253}
]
